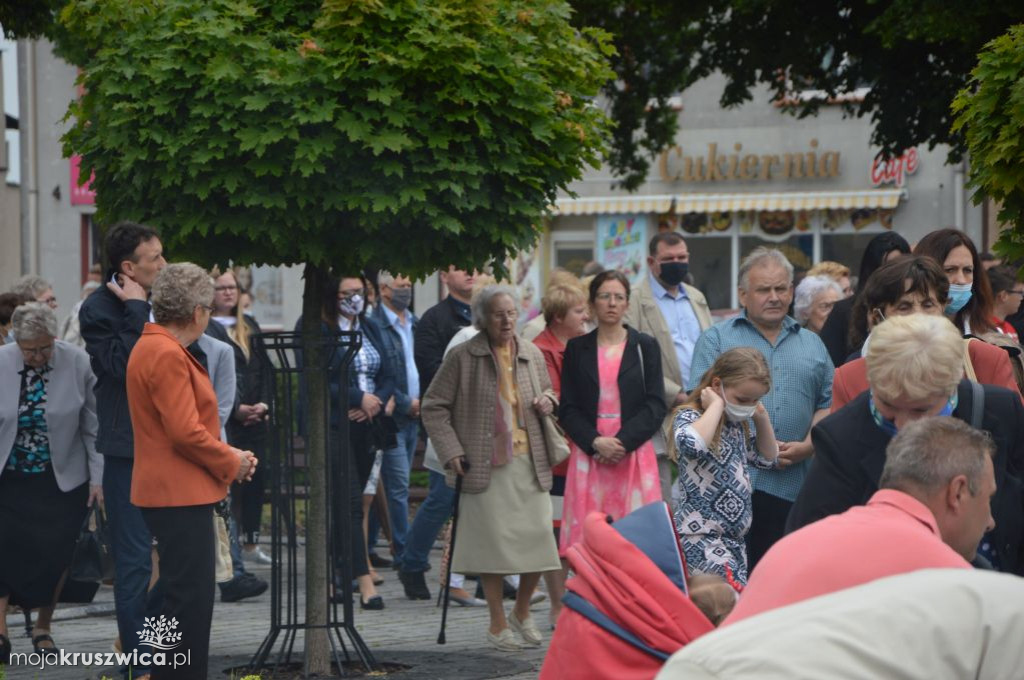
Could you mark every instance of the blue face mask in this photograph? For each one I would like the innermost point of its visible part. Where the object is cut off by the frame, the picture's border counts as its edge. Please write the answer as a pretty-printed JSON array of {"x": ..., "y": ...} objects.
[
  {"x": 959, "y": 296},
  {"x": 889, "y": 427}
]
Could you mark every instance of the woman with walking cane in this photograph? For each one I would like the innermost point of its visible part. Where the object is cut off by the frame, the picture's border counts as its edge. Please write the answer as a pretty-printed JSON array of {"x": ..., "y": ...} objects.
[{"x": 485, "y": 407}]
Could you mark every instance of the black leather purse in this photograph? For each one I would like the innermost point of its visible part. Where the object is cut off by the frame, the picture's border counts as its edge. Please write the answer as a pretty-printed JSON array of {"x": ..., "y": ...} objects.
[{"x": 91, "y": 562}]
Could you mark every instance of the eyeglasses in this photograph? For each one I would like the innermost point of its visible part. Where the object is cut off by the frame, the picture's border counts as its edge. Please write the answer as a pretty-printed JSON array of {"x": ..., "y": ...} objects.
[
  {"x": 52, "y": 301},
  {"x": 1016, "y": 292},
  {"x": 208, "y": 308},
  {"x": 605, "y": 297},
  {"x": 43, "y": 351},
  {"x": 221, "y": 289},
  {"x": 351, "y": 293}
]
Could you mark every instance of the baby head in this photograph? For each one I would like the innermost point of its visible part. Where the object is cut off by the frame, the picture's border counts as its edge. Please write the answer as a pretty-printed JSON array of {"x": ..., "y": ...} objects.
[{"x": 713, "y": 596}]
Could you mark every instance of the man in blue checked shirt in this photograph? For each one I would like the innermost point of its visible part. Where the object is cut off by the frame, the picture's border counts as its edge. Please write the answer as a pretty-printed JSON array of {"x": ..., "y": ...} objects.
[{"x": 801, "y": 391}]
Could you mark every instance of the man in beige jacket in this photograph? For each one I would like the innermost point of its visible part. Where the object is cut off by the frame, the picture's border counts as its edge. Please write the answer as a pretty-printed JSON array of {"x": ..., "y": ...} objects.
[{"x": 675, "y": 314}]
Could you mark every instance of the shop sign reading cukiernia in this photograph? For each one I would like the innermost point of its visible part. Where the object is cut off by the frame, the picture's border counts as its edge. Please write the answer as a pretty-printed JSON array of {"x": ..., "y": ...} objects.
[{"x": 719, "y": 165}]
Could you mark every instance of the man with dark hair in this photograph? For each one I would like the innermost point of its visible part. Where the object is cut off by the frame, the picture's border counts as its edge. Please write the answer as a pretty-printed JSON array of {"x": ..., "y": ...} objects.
[
  {"x": 436, "y": 328},
  {"x": 111, "y": 321},
  {"x": 675, "y": 313}
]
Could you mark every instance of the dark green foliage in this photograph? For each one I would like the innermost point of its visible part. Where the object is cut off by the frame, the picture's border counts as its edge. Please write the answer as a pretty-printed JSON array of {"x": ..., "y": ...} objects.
[
  {"x": 356, "y": 133},
  {"x": 915, "y": 54},
  {"x": 990, "y": 114}
]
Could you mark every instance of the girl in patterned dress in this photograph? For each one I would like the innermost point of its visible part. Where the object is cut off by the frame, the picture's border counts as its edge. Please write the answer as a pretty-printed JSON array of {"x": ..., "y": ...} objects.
[{"x": 716, "y": 441}]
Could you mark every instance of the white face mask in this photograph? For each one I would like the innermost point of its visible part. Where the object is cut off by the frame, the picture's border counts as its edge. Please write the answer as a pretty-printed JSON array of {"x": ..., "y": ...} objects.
[{"x": 736, "y": 413}]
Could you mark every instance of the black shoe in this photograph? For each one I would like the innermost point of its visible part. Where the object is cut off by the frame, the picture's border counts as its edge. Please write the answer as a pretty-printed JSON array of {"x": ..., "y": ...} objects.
[
  {"x": 43, "y": 650},
  {"x": 5, "y": 651},
  {"x": 375, "y": 603},
  {"x": 415, "y": 585},
  {"x": 379, "y": 562},
  {"x": 241, "y": 587}
]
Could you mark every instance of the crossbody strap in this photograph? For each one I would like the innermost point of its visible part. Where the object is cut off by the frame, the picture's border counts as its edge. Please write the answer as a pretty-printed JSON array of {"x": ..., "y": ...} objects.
[
  {"x": 588, "y": 611},
  {"x": 977, "y": 405},
  {"x": 643, "y": 374}
]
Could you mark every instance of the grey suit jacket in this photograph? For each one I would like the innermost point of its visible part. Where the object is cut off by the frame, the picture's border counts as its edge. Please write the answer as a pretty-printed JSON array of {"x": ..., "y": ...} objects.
[
  {"x": 645, "y": 316},
  {"x": 70, "y": 413},
  {"x": 220, "y": 364}
]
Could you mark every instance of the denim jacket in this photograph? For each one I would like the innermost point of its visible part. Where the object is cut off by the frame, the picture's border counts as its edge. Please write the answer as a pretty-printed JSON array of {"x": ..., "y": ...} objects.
[{"x": 392, "y": 341}]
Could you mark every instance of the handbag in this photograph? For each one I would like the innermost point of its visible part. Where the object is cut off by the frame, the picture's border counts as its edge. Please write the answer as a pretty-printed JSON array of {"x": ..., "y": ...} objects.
[
  {"x": 91, "y": 562},
  {"x": 554, "y": 437},
  {"x": 223, "y": 570}
]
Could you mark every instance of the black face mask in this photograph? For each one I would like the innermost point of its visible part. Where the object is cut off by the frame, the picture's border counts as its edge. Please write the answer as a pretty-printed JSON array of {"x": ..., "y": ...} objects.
[{"x": 673, "y": 273}]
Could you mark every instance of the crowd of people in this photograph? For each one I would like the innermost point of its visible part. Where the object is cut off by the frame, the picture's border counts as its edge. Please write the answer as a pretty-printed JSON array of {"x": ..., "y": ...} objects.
[{"x": 879, "y": 416}]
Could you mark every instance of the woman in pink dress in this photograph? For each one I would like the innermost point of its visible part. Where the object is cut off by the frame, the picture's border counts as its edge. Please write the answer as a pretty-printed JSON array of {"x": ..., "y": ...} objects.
[{"x": 612, "y": 404}]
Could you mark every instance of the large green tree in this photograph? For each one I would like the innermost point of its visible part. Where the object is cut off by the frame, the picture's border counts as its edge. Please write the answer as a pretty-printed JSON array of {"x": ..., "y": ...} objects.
[
  {"x": 337, "y": 134},
  {"x": 914, "y": 55},
  {"x": 990, "y": 114}
]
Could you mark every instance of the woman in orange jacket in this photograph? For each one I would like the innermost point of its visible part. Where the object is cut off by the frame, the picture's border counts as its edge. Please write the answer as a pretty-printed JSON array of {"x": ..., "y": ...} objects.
[{"x": 182, "y": 468}]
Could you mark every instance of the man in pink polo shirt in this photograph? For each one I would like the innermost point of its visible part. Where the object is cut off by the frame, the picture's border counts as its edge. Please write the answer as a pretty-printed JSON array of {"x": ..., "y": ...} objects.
[{"x": 931, "y": 510}]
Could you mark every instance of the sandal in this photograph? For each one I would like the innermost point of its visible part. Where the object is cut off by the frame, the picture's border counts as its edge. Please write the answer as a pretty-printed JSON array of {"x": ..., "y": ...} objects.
[
  {"x": 5, "y": 651},
  {"x": 45, "y": 637}
]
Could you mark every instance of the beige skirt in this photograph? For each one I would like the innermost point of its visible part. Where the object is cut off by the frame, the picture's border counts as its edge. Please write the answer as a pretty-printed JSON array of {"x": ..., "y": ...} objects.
[{"x": 507, "y": 528}]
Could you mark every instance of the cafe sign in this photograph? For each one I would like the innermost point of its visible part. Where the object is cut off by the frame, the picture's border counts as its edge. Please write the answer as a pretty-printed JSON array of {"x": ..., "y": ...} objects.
[
  {"x": 718, "y": 165},
  {"x": 894, "y": 170}
]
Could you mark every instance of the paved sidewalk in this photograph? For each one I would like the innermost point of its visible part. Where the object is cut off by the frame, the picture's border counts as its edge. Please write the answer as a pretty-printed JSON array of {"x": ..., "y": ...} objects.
[{"x": 405, "y": 632}]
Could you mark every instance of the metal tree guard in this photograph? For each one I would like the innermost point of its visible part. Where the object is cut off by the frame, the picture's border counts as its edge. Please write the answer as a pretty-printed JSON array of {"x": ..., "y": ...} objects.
[{"x": 286, "y": 468}]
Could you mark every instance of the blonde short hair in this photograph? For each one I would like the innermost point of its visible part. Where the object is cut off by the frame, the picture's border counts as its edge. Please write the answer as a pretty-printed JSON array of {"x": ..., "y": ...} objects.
[
  {"x": 916, "y": 357},
  {"x": 833, "y": 270},
  {"x": 560, "y": 298},
  {"x": 178, "y": 290}
]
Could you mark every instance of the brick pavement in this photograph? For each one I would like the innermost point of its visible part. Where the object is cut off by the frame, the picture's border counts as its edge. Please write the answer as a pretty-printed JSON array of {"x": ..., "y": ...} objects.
[{"x": 405, "y": 632}]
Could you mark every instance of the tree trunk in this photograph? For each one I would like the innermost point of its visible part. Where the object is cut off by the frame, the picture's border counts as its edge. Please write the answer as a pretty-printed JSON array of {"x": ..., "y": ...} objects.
[{"x": 318, "y": 650}]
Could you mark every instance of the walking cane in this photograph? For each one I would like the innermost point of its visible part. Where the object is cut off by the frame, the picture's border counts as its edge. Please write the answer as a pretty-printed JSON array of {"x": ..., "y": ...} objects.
[{"x": 451, "y": 551}]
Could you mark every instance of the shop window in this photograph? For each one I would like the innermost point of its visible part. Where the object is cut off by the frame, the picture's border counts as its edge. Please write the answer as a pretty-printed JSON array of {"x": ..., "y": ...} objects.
[
  {"x": 799, "y": 249},
  {"x": 572, "y": 251}
]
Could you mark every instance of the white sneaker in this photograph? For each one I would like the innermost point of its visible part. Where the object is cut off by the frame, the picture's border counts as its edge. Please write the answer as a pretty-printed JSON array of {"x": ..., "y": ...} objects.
[
  {"x": 256, "y": 556},
  {"x": 527, "y": 629},
  {"x": 506, "y": 641}
]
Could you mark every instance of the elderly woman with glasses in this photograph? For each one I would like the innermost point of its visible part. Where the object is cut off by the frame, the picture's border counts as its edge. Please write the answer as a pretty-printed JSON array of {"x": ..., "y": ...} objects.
[
  {"x": 814, "y": 299},
  {"x": 483, "y": 413},
  {"x": 182, "y": 468},
  {"x": 50, "y": 472}
]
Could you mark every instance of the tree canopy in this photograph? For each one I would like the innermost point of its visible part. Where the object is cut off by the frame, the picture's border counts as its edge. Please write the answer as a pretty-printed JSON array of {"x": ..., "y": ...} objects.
[
  {"x": 347, "y": 132},
  {"x": 28, "y": 18},
  {"x": 990, "y": 114},
  {"x": 915, "y": 55}
]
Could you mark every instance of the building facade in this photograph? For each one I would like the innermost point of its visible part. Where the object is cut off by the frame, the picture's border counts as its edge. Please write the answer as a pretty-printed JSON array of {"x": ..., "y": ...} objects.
[{"x": 755, "y": 175}]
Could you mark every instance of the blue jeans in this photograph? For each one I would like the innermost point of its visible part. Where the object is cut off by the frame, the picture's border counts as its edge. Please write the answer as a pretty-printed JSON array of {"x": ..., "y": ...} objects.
[
  {"x": 394, "y": 473},
  {"x": 431, "y": 516},
  {"x": 132, "y": 545},
  {"x": 237, "y": 567}
]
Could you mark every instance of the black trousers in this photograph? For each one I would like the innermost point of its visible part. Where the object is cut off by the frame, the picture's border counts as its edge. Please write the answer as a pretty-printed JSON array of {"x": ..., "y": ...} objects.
[
  {"x": 247, "y": 498},
  {"x": 186, "y": 545},
  {"x": 767, "y": 526},
  {"x": 355, "y": 475}
]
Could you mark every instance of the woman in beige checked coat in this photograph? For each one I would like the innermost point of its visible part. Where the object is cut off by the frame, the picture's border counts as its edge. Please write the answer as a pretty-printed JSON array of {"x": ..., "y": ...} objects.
[{"x": 484, "y": 408}]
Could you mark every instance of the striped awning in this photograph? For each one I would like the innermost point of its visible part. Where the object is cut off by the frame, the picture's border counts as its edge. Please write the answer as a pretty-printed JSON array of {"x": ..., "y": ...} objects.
[
  {"x": 707, "y": 203},
  {"x": 613, "y": 205}
]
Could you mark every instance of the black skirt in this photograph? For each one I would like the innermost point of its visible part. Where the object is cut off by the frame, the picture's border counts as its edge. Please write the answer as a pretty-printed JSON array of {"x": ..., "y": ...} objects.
[{"x": 39, "y": 526}]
